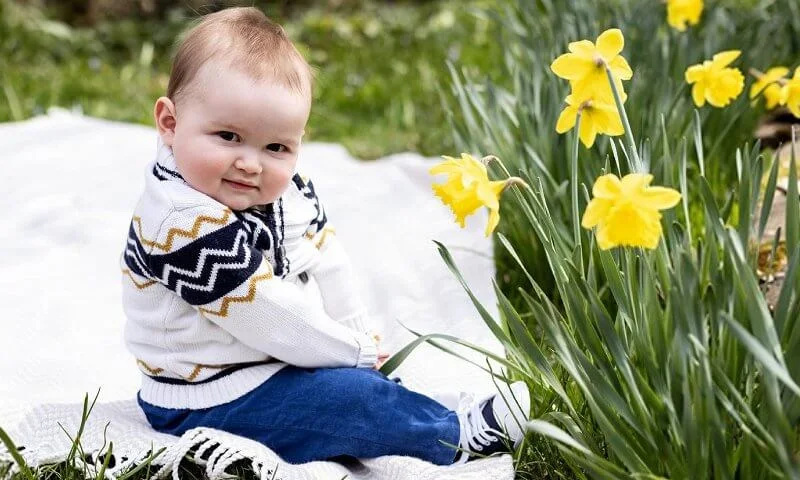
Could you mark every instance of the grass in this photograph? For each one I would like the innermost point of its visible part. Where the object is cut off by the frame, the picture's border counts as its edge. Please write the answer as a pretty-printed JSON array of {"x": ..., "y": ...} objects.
[{"x": 380, "y": 66}]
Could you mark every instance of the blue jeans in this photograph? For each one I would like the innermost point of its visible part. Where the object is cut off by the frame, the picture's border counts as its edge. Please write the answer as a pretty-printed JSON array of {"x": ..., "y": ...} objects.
[{"x": 307, "y": 414}]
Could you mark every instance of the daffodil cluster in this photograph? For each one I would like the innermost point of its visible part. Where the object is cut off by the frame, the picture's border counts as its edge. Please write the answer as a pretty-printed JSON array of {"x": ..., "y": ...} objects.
[
  {"x": 777, "y": 89},
  {"x": 624, "y": 211},
  {"x": 592, "y": 97},
  {"x": 714, "y": 82}
]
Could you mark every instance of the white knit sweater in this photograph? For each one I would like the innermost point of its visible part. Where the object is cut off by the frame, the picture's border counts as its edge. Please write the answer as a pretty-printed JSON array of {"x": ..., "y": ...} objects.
[{"x": 217, "y": 301}]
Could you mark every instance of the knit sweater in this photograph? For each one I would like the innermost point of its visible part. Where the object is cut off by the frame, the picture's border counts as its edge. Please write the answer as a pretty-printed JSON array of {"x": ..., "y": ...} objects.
[{"x": 217, "y": 300}]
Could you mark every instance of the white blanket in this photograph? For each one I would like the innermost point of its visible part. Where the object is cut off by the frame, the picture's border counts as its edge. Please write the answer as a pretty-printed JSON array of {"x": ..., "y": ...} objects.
[{"x": 69, "y": 185}]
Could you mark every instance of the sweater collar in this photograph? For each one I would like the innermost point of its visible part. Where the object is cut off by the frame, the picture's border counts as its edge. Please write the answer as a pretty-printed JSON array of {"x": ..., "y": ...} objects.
[{"x": 165, "y": 168}]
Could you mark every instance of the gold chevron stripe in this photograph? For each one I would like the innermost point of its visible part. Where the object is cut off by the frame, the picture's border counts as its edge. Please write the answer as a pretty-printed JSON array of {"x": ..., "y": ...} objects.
[
  {"x": 199, "y": 367},
  {"x": 251, "y": 294},
  {"x": 175, "y": 232},
  {"x": 139, "y": 286},
  {"x": 154, "y": 371},
  {"x": 325, "y": 232}
]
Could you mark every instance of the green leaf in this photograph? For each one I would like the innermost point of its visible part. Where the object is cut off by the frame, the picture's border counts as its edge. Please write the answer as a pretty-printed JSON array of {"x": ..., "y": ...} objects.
[
  {"x": 487, "y": 318},
  {"x": 761, "y": 354},
  {"x": 532, "y": 350},
  {"x": 395, "y": 360},
  {"x": 792, "y": 203},
  {"x": 769, "y": 195}
]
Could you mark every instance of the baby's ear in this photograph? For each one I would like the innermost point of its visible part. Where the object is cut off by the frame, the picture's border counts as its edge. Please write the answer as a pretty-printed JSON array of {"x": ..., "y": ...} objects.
[{"x": 164, "y": 114}]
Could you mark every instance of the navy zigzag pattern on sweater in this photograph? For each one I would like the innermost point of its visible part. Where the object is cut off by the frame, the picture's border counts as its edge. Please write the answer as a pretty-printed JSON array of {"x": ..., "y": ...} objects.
[
  {"x": 163, "y": 173},
  {"x": 308, "y": 191},
  {"x": 202, "y": 271}
]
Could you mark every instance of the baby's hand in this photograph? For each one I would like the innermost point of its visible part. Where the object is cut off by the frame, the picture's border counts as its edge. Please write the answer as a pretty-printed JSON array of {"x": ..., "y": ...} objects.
[{"x": 382, "y": 356}]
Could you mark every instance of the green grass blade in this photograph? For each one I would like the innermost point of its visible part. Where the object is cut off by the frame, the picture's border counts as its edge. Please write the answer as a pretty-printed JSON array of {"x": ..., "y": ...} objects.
[
  {"x": 487, "y": 318},
  {"x": 12, "y": 449}
]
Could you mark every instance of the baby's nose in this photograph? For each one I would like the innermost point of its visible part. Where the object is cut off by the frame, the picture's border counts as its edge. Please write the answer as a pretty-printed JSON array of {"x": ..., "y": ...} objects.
[{"x": 248, "y": 163}]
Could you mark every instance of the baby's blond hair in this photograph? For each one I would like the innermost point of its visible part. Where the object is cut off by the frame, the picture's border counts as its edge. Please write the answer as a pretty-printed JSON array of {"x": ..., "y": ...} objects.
[{"x": 253, "y": 43}]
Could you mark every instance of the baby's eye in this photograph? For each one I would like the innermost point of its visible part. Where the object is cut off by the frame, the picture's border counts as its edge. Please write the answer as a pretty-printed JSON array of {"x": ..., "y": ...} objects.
[
  {"x": 228, "y": 136},
  {"x": 276, "y": 147}
]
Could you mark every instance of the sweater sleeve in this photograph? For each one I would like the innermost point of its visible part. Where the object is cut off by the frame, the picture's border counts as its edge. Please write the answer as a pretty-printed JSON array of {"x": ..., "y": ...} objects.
[
  {"x": 337, "y": 283},
  {"x": 202, "y": 254}
]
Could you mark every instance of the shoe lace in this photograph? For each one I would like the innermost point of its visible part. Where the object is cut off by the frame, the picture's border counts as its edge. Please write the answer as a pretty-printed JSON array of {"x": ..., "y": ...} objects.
[{"x": 475, "y": 431}]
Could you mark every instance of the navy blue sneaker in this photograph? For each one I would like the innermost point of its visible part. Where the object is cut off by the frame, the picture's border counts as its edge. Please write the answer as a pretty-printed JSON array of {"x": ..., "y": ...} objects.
[{"x": 494, "y": 423}]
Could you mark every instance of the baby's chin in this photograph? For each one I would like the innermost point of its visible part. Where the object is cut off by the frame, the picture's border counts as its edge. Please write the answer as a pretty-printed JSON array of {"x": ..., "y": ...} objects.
[{"x": 240, "y": 204}]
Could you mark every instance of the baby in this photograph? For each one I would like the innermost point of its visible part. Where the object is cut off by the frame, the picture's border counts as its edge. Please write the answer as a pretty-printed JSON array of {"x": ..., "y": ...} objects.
[{"x": 241, "y": 307}]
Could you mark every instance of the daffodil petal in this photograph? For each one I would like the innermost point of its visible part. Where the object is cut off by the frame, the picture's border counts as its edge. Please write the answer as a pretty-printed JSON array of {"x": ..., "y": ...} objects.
[
  {"x": 608, "y": 120},
  {"x": 769, "y": 79},
  {"x": 582, "y": 47},
  {"x": 444, "y": 167},
  {"x": 571, "y": 66},
  {"x": 756, "y": 88},
  {"x": 494, "y": 219},
  {"x": 587, "y": 88},
  {"x": 595, "y": 212},
  {"x": 621, "y": 68},
  {"x": 723, "y": 59},
  {"x": 660, "y": 198},
  {"x": 610, "y": 43},
  {"x": 603, "y": 240},
  {"x": 635, "y": 181},
  {"x": 699, "y": 94},
  {"x": 695, "y": 73},
  {"x": 607, "y": 186},
  {"x": 487, "y": 195},
  {"x": 775, "y": 73},
  {"x": 588, "y": 131},
  {"x": 566, "y": 121},
  {"x": 773, "y": 96}
]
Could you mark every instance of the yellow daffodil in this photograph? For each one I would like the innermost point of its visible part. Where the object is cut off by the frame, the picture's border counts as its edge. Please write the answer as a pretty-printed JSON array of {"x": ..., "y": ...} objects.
[
  {"x": 714, "y": 82},
  {"x": 790, "y": 94},
  {"x": 596, "y": 117},
  {"x": 468, "y": 188},
  {"x": 772, "y": 95},
  {"x": 683, "y": 12},
  {"x": 626, "y": 212},
  {"x": 768, "y": 84},
  {"x": 584, "y": 66}
]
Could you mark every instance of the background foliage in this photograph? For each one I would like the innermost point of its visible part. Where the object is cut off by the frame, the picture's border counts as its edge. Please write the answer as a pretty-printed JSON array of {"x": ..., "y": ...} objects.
[{"x": 380, "y": 64}]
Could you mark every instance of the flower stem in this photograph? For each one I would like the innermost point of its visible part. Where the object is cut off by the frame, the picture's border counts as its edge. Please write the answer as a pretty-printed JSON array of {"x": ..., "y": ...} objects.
[
  {"x": 576, "y": 220},
  {"x": 511, "y": 181},
  {"x": 637, "y": 166}
]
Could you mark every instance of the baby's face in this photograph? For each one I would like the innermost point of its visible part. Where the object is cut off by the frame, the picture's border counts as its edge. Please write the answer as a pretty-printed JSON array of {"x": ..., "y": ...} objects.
[{"x": 237, "y": 139}]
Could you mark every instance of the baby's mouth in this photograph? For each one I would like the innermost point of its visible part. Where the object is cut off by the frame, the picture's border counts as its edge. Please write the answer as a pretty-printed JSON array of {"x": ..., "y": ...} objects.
[{"x": 240, "y": 186}]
